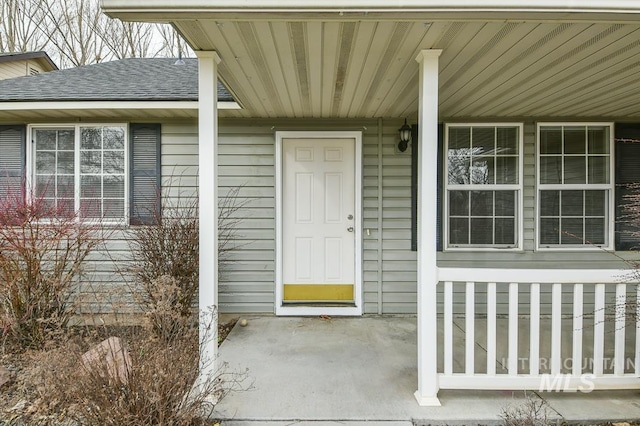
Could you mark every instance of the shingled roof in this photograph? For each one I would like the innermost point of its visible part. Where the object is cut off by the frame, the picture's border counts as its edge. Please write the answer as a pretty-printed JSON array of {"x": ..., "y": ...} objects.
[{"x": 134, "y": 79}]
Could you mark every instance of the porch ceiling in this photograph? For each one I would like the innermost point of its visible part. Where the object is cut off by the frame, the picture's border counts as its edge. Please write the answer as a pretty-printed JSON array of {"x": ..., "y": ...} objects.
[{"x": 283, "y": 68}]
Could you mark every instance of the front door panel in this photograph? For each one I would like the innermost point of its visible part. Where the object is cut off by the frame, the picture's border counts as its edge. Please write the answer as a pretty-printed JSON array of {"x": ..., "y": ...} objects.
[{"x": 318, "y": 205}]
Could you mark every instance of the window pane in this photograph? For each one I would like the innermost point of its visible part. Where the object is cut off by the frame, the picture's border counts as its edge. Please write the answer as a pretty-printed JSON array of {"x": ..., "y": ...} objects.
[
  {"x": 505, "y": 231},
  {"x": 460, "y": 138},
  {"x": 574, "y": 170},
  {"x": 482, "y": 203},
  {"x": 572, "y": 203},
  {"x": 45, "y": 139},
  {"x": 550, "y": 170},
  {"x": 572, "y": 231},
  {"x": 551, "y": 140},
  {"x": 598, "y": 170},
  {"x": 91, "y": 208},
  {"x": 595, "y": 231},
  {"x": 65, "y": 162},
  {"x": 65, "y": 140},
  {"x": 549, "y": 203},
  {"x": 458, "y": 231},
  {"x": 114, "y": 162},
  {"x": 459, "y": 203},
  {"x": 507, "y": 141},
  {"x": 45, "y": 162},
  {"x": 113, "y": 208},
  {"x": 66, "y": 187},
  {"x": 45, "y": 186},
  {"x": 481, "y": 231},
  {"x": 90, "y": 187},
  {"x": 113, "y": 187},
  {"x": 483, "y": 140},
  {"x": 482, "y": 171},
  {"x": 598, "y": 140},
  {"x": 66, "y": 207},
  {"x": 458, "y": 166},
  {"x": 505, "y": 204},
  {"x": 574, "y": 140},
  {"x": 595, "y": 203},
  {"x": 91, "y": 138},
  {"x": 91, "y": 162},
  {"x": 506, "y": 170},
  {"x": 113, "y": 138}
]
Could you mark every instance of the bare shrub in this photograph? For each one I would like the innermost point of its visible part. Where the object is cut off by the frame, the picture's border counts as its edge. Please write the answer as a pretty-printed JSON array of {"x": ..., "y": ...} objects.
[
  {"x": 164, "y": 258},
  {"x": 165, "y": 384},
  {"x": 532, "y": 412},
  {"x": 42, "y": 254}
]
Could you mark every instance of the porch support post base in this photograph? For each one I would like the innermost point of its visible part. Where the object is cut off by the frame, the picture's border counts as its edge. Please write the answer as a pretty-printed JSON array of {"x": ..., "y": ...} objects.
[
  {"x": 208, "y": 211},
  {"x": 427, "y": 219},
  {"x": 427, "y": 401}
]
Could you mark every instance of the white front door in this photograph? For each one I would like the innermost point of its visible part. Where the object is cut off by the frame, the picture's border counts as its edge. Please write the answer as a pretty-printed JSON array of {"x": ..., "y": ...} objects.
[{"x": 319, "y": 224}]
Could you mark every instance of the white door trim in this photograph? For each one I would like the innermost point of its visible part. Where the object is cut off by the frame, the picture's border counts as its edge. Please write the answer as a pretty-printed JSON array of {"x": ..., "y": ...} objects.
[{"x": 314, "y": 310}]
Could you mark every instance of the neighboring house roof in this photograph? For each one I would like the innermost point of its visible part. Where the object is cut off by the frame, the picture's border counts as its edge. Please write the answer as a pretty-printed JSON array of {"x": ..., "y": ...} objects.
[
  {"x": 19, "y": 56},
  {"x": 133, "y": 79}
]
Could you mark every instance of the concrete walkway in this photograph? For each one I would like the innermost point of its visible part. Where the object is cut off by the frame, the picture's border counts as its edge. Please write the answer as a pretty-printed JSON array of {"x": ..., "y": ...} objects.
[{"x": 353, "y": 370}]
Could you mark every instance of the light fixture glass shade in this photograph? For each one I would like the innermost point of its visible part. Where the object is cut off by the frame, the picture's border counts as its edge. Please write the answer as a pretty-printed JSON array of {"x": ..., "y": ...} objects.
[
  {"x": 405, "y": 136},
  {"x": 405, "y": 132}
]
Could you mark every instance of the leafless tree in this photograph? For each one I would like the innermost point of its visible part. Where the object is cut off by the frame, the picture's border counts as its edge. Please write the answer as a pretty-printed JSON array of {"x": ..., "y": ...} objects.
[
  {"x": 76, "y": 33},
  {"x": 75, "y": 30},
  {"x": 173, "y": 46},
  {"x": 19, "y": 31}
]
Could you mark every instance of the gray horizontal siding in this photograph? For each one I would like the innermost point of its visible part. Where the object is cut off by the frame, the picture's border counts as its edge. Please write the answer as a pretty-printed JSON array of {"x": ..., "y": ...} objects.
[{"x": 246, "y": 160}]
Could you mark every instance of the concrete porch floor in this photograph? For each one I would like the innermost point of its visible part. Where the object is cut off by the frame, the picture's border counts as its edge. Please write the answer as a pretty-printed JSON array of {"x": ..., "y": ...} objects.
[{"x": 353, "y": 370}]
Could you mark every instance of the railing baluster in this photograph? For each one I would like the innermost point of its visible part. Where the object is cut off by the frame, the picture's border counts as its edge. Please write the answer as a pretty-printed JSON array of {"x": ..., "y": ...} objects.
[
  {"x": 534, "y": 337},
  {"x": 620, "y": 306},
  {"x": 469, "y": 328},
  {"x": 556, "y": 328},
  {"x": 598, "y": 331},
  {"x": 491, "y": 329},
  {"x": 448, "y": 328},
  {"x": 578, "y": 300},
  {"x": 513, "y": 329}
]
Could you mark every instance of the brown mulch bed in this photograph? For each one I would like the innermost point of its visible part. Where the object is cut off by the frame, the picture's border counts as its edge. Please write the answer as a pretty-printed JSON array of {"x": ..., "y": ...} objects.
[{"x": 19, "y": 403}]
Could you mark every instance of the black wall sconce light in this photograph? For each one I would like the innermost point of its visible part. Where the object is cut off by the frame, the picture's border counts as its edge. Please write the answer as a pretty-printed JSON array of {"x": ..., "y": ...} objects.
[{"x": 405, "y": 136}]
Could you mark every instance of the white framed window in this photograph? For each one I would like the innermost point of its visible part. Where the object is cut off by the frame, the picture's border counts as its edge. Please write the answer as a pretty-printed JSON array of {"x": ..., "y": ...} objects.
[
  {"x": 81, "y": 169},
  {"x": 575, "y": 185},
  {"x": 483, "y": 186}
]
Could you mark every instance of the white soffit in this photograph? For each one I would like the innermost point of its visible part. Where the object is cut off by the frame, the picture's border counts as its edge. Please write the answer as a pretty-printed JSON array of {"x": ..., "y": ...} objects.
[
  {"x": 356, "y": 58},
  {"x": 368, "y": 68}
]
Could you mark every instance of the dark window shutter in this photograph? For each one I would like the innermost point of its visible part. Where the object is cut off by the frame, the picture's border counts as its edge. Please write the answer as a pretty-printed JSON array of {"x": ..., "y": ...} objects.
[
  {"x": 12, "y": 159},
  {"x": 414, "y": 187},
  {"x": 627, "y": 161},
  {"x": 145, "y": 174}
]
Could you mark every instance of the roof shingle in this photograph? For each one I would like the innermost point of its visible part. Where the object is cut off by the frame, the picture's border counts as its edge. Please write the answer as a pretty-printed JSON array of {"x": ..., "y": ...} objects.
[{"x": 133, "y": 79}]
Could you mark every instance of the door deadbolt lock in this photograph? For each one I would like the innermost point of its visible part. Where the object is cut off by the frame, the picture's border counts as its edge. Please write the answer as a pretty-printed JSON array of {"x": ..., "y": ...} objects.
[{"x": 350, "y": 217}]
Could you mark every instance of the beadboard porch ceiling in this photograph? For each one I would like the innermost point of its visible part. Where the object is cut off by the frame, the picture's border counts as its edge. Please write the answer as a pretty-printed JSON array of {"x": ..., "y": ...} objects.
[
  {"x": 503, "y": 64},
  {"x": 368, "y": 68}
]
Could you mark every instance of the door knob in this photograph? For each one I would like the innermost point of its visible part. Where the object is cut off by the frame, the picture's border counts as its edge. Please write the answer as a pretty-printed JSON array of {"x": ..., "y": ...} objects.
[{"x": 350, "y": 229}]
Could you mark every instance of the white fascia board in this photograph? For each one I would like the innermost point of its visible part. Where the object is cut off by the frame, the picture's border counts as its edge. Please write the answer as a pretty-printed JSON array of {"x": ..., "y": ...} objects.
[
  {"x": 108, "y": 105},
  {"x": 115, "y": 7}
]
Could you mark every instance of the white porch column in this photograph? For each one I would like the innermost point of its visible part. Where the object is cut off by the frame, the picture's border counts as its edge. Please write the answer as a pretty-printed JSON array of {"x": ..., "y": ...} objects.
[
  {"x": 427, "y": 393},
  {"x": 208, "y": 207}
]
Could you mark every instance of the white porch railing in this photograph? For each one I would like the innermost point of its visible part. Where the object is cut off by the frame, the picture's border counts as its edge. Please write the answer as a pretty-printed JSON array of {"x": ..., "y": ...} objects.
[{"x": 520, "y": 329}]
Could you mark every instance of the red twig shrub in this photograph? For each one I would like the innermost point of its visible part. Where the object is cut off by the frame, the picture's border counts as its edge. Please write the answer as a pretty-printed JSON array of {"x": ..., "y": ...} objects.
[{"x": 42, "y": 253}]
